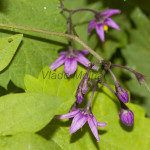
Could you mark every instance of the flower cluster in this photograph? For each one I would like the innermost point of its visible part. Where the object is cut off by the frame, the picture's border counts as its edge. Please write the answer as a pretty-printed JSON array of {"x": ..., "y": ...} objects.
[
  {"x": 82, "y": 115},
  {"x": 70, "y": 59}
]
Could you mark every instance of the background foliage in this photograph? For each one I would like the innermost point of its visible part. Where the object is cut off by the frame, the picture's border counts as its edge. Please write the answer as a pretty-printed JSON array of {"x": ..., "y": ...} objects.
[{"x": 28, "y": 102}]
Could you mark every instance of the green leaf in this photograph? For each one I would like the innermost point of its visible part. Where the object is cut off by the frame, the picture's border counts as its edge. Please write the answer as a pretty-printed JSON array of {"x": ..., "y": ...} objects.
[
  {"x": 26, "y": 112},
  {"x": 37, "y": 50},
  {"x": 137, "y": 56},
  {"x": 27, "y": 141},
  {"x": 56, "y": 83},
  {"x": 8, "y": 47},
  {"x": 105, "y": 108},
  {"x": 113, "y": 136}
]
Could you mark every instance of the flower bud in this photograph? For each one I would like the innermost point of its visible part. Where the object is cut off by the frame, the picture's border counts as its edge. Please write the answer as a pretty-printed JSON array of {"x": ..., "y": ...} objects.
[
  {"x": 126, "y": 117},
  {"x": 141, "y": 78},
  {"x": 79, "y": 96},
  {"x": 121, "y": 93},
  {"x": 85, "y": 86}
]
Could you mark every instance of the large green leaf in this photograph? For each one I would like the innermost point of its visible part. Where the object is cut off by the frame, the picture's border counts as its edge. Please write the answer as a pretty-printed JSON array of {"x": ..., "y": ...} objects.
[
  {"x": 26, "y": 112},
  {"x": 37, "y": 50},
  {"x": 137, "y": 56},
  {"x": 8, "y": 47},
  {"x": 105, "y": 108},
  {"x": 27, "y": 141},
  {"x": 114, "y": 136},
  {"x": 56, "y": 83}
]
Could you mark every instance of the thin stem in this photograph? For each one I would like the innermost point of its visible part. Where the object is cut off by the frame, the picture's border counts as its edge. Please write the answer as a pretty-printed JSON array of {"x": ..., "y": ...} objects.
[
  {"x": 61, "y": 4},
  {"x": 123, "y": 67},
  {"x": 74, "y": 11},
  {"x": 95, "y": 86},
  {"x": 71, "y": 24},
  {"x": 108, "y": 87},
  {"x": 140, "y": 77},
  {"x": 73, "y": 37},
  {"x": 85, "y": 76},
  {"x": 68, "y": 30},
  {"x": 89, "y": 102},
  {"x": 115, "y": 79},
  {"x": 78, "y": 10},
  {"x": 63, "y": 8}
]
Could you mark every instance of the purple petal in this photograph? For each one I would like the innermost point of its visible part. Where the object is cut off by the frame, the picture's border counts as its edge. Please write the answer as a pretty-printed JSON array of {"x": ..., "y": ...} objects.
[
  {"x": 58, "y": 62},
  {"x": 110, "y": 12},
  {"x": 100, "y": 31},
  {"x": 123, "y": 96},
  {"x": 79, "y": 97},
  {"x": 111, "y": 23},
  {"x": 92, "y": 24},
  {"x": 70, "y": 65},
  {"x": 84, "y": 61},
  {"x": 127, "y": 117},
  {"x": 93, "y": 125},
  {"x": 69, "y": 115},
  {"x": 101, "y": 124},
  {"x": 78, "y": 121},
  {"x": 84, "y": 51}
]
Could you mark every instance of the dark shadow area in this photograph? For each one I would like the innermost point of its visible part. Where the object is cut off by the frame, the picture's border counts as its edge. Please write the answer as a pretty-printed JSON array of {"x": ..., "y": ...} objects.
[
  {"x": 55, "y": 124},
  {"x": 126, "y": 128},
  {"x": 49, "y": 130},
  {"x": 125, "y": 6},
  {"x": 137, "y": 99},
  {"x": 78, "y": 134},
  {"x": 101, "y": 132},
  {"x": 81, "y": 132},
  {"x": 3, "y": 6},
  {"x": 125, "y": 77},
  {"x": 11, "y": 88},
  {"x": 91, "y": 2}
]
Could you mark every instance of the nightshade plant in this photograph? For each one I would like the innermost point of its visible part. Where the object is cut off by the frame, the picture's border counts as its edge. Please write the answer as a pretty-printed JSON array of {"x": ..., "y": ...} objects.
[
  {"x": 70, "y": 59},
  {"x": 81, "y": 100}
]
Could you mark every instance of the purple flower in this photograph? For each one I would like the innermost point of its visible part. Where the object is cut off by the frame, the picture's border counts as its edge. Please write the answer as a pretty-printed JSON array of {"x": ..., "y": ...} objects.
[
  {"x": 102, "y": 19},
  {"x": 70, "y": 59},
  {"x": 80, "y": 117},
  {"x": 127, "y": 117}
]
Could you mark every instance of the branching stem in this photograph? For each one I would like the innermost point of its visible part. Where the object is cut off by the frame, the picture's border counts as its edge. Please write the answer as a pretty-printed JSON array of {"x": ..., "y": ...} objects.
[{"x": 73, "y": 37}]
